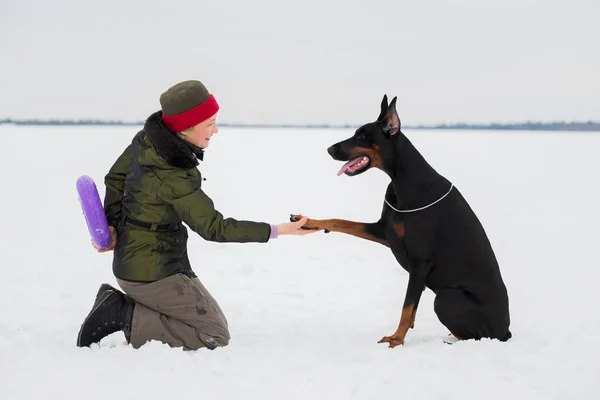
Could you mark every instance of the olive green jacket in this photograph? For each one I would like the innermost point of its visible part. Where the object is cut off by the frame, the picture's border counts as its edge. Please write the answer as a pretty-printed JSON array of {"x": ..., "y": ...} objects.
[{"x": 155, "y": 183}]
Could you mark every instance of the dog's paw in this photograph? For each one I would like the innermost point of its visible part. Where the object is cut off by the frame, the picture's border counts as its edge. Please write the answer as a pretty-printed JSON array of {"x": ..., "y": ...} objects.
[
  {"x": 298, "y": 217},
  {"x": 310, "y": 224},
  {"x": 295, "y": 217},
  {"x": 392, "y": 341}
]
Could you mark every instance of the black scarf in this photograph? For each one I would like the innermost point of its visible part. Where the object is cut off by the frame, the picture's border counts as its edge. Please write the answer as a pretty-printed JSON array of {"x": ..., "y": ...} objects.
[{"x": 175, "y": 151}]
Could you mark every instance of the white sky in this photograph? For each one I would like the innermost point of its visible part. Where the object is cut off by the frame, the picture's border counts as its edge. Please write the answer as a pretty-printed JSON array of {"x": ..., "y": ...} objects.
[{"x": 308, "y": 61}]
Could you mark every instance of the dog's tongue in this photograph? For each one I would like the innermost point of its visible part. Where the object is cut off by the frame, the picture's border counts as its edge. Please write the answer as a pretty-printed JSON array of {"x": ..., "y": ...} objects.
[{"x": 348, "y": 165}]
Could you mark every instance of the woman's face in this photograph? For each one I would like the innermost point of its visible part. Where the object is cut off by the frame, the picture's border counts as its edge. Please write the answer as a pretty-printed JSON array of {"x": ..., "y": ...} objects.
[{"x": 200, "y": 134}]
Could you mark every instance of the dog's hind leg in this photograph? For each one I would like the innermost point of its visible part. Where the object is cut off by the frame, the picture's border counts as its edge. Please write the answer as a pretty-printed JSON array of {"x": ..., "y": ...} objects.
[
  {"x": 368, "y": 231},
  {"x": 466, "y": 318}
]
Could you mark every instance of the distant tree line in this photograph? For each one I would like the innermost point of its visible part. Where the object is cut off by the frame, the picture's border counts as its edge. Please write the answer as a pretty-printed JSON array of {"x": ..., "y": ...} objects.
[
  {"x": 526, "y": 126},
  {"x": 65, "y": 122}
]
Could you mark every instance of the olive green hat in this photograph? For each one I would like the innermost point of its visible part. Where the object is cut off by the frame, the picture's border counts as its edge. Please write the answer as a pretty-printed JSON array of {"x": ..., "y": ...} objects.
[{"x": 186, "y": 104}]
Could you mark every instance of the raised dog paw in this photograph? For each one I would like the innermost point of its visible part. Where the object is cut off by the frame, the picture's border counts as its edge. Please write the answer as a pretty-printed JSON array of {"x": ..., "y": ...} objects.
[
  {"x": 295, "y": 217},
  {"x": 309, "y": 225}
]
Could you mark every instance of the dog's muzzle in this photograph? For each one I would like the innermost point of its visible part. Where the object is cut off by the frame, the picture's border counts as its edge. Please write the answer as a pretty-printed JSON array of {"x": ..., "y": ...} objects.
[{"x": 333, "y": 149}]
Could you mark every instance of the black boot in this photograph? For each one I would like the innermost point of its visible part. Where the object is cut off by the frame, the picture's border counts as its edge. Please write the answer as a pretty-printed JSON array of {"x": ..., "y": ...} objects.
[
  {"x": 112, "y": 312},
  {"x": 103, "y": 288}
]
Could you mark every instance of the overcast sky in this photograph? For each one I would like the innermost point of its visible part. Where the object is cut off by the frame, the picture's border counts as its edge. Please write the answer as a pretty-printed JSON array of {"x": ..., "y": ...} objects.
[{"x": 306, "y": 61}]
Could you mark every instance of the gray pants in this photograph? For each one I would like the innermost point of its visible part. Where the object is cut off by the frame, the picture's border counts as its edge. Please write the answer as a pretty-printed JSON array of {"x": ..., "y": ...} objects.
[{"x": 178, "y": 311}]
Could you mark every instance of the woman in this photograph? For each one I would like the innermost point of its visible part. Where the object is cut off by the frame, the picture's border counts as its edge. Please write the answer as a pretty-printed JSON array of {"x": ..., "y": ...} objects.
[{"x": 151, "y": 189}]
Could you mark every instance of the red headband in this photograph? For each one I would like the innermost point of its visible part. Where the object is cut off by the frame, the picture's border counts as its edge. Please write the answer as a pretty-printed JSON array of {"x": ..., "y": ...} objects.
[{"x": 192, "y": 117}]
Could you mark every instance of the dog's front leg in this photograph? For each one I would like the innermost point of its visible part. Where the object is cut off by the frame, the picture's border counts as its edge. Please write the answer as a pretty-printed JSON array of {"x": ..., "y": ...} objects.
[
  {"x": 368, "y": 231},
  {"x": 416, "y": 281}
]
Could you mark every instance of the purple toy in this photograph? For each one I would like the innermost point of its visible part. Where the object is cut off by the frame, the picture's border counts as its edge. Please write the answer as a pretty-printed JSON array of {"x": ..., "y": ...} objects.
[{"x": 93, "y": 211}]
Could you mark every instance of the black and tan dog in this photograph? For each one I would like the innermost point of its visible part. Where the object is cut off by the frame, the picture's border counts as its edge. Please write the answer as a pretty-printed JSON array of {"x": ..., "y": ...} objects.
[{"x": 431, "y": 230}]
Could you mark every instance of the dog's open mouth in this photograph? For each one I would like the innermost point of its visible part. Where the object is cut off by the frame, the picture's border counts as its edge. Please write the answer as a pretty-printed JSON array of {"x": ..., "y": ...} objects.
[{"x": 353, "y": 166}]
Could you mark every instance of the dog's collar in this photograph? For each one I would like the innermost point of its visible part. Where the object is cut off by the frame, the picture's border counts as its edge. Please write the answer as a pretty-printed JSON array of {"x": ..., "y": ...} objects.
[{"x": 420, "y": 208}]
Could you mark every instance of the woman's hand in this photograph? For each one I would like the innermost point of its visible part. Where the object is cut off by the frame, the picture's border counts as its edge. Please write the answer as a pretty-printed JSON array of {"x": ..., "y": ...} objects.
[
  {"x": 295, "y": 228},
  {"x": 113, "y": 241}
]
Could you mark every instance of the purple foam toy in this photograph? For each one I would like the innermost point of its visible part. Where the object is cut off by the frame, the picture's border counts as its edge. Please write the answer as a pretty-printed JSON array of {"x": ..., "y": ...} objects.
[{"x": 93, "y": 211}]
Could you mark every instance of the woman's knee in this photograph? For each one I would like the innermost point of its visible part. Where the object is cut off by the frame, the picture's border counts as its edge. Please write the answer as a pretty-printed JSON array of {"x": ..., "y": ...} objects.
[{"x": 209, "y": 341}]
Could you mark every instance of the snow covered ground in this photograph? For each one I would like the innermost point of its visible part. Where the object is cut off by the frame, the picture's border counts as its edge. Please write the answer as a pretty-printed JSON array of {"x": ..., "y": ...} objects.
[{"x": 306, "y": 312}]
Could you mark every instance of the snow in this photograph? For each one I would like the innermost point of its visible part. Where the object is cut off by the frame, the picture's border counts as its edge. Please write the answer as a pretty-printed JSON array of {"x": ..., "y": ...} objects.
[{"x": 306, "y": 313}]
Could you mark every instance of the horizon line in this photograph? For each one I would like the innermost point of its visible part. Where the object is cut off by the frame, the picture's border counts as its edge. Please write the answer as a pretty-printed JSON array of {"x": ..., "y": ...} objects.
[{"x": 527, "y": 125}]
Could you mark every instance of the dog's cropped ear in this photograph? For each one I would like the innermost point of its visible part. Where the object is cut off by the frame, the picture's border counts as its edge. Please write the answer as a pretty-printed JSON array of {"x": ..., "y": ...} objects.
[
  {"x": 391, "y": 124},
  {"x": 384, "y": 108}
]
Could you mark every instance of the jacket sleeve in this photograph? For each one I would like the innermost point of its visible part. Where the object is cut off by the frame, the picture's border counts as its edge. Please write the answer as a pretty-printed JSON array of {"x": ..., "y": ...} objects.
[
  {"x": 115, "y": 185},
  {"x": 198, "y": 211}
]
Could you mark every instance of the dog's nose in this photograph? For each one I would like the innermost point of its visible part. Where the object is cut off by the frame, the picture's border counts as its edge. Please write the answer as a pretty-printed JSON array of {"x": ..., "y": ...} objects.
[{"x": 331, "y": 150}]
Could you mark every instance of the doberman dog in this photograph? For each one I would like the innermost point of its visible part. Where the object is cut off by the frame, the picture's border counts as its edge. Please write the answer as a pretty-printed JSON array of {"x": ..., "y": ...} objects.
[{"x": 431, "y": 230}]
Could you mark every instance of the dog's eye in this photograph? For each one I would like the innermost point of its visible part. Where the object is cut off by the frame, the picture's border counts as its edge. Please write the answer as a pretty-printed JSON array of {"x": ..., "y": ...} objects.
[{"x": 361, "y": 136}]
